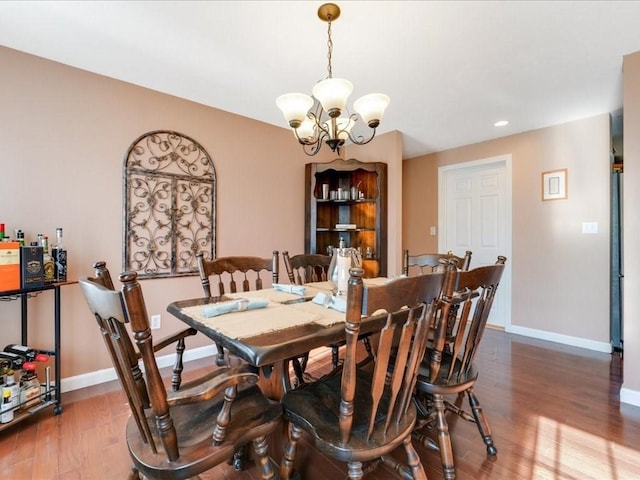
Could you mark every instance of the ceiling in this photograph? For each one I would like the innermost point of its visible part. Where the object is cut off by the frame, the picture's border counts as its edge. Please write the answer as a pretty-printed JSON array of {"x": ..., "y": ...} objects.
[{"x": 451, "y": 68}]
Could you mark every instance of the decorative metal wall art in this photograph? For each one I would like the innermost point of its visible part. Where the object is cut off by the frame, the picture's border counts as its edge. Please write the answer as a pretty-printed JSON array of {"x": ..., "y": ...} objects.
[{"x": 169, "y": 205}]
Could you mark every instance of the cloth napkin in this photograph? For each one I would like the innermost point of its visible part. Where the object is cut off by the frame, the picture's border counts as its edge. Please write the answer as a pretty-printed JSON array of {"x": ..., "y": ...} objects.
[
  {"x": 234, "y": 306},
  {"x": 295, "y": 289},
  {"x": 331, "y": 301}
]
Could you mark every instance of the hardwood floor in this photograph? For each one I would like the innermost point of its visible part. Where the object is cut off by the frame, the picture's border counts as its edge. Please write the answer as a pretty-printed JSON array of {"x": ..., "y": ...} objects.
[{"x": 554, "y": 411}]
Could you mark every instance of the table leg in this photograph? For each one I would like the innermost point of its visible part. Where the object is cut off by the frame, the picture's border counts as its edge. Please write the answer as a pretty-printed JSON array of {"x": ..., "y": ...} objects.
[{"x": 274, "y": 380}]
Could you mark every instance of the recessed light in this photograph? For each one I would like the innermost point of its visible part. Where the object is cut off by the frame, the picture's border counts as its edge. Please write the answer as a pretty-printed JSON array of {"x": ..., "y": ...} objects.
[{"x": 501, "y": 123}]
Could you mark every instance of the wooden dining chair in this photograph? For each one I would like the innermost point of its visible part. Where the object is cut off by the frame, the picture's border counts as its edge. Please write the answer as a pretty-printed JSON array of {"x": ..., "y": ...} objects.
[
  {"x": 428, "y": 262},
  {"x": 103, "y": 277},
  {"x": 229, "y": 272},
  {"x": 448, "y": 367},
  {"x": 306, "y": 267},
  {"x": 363, "y": 411},
  {"x": 178, "y": 435}
]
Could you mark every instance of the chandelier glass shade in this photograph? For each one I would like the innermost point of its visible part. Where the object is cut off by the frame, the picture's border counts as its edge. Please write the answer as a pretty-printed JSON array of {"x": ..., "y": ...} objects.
[{"x": 324, "y": 117}]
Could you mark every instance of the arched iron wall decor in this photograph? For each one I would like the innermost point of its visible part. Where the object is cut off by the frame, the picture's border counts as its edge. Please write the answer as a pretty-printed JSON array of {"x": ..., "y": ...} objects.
[{"x": 169, "y": 205}]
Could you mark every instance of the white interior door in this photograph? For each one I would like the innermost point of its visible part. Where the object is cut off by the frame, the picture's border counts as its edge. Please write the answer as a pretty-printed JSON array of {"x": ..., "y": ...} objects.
[{"x": 474, "y": 213}]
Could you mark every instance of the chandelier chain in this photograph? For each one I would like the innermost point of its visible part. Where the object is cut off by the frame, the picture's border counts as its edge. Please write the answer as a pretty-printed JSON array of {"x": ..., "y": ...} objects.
[{"x": 329, "y": 47}]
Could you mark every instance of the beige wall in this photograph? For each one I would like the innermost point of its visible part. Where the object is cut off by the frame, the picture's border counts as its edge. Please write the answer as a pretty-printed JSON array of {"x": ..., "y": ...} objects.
[
  {"x": 64, "y": 136},
  {"x": 631, "y": 387},
  {"x": 560, "y": 283}
]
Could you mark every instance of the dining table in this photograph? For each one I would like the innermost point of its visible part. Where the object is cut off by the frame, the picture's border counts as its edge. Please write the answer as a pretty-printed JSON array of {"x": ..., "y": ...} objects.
[{"x": 291, "y": 322}]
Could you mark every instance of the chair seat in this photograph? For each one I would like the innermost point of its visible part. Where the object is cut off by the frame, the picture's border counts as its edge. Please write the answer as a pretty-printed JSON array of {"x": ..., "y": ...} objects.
[
  {"x": 194, "y": 426},
  {"x": 315, "y": 406},
  {"x": 458, "y": 382}
]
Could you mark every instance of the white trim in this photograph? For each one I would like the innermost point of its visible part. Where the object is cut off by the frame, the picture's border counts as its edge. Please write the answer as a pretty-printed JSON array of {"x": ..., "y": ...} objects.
[
  {"x": 632, "y": 397},
  {"x": 108, "y": 374},
  {"x": 604, "y": 347},
  {"x": 506, "y": 160}
]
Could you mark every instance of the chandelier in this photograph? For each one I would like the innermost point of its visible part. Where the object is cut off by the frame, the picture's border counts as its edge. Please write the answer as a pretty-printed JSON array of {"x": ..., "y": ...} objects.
[{"x": 324, "y": 117}]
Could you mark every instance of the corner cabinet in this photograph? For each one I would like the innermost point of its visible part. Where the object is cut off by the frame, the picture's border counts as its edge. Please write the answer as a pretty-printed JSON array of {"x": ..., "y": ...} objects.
[{"x": 348, "y": 199}]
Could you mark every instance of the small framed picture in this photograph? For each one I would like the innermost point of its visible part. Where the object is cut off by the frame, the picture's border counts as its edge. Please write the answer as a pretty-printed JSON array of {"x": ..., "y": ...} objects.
[{"x": 554, "y": 185}]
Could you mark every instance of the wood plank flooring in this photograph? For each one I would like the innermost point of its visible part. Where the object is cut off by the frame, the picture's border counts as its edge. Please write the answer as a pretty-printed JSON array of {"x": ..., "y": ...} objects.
[{"x": 554, "y": 411}]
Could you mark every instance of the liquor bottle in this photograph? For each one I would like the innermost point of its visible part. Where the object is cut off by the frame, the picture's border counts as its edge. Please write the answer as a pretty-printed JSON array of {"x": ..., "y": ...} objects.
[
  {"x": 13, "y": 388},
  {"x": 59, "y": 254},
  {"x": 47, "y": 260},
  {"x": 6, "y": 414},
  {"x": 1, "y": 231},
  {"x": 20, "y": 237},
  {"x": 31, "y": 265},
  {"x": 29, "y": 354},
  {"x": 30, "y": 387},
  {"x": 15, "y": 359}
]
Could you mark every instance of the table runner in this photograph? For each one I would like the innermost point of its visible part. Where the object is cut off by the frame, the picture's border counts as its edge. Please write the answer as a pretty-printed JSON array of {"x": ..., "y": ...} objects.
[
  {"x": 276, "y": 296},
  {"x": 251, "y": 323}
]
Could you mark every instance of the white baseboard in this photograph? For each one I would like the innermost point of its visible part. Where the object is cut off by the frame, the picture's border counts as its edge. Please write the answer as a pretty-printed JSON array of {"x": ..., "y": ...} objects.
[
  {"x": 604, "y": 347},
  {"x": 108, "y": 374},
  {"x": 632, "y": 397}
]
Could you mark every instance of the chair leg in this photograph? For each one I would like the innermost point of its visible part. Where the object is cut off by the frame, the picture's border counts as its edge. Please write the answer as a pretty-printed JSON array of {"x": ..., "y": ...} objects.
[
  {"x": 299, "y": 365},
  {"x": 176, "y": 378},
  {"x": 239, "y": 458},
  {"x": 289, "y": 452},
  {"x": 354, "y": 470},
  {"x": 220, "y": 361},
  {"x": 413, "y": 460},
  {"x": 260, "y": 446},
  {"x": 444, "y": 439},
  {"x": 135, "y": 474},
  {"x": 481, "y": 422},
  {"x": 335, "y": 356}
]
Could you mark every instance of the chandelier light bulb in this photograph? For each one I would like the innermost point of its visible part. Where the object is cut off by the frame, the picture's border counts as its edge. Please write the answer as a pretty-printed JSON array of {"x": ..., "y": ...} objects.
[
  {"x": 295, "y": 107},
  {"x": 332, "y": 93},
  {"x": 371, "y": 108},
  {"x": 307, "y": 130}
]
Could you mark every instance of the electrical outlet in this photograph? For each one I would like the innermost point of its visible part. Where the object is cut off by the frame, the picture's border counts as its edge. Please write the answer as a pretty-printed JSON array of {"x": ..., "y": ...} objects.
[{"x": 155, "y": 322}]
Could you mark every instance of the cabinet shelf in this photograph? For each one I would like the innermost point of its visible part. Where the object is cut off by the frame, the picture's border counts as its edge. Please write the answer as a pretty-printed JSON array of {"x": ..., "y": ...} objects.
[
  {"x": 347, "y": 202},
  {"x": 322, "y": 229},
  {"x": 369, "y": 213}
]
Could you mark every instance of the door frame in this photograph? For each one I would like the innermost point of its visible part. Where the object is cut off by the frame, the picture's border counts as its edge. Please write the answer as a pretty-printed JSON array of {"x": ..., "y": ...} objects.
[{"x": 499, "y": 161}]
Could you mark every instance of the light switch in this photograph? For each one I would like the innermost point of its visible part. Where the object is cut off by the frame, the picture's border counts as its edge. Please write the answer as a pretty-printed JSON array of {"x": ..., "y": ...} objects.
[
  {"x": 589, "y": 227},
  {"x": 432, "y": 231}
]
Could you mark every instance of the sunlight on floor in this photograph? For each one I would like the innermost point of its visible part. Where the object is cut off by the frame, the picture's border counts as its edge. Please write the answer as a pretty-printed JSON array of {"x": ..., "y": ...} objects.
[{"x": 566, "y": 453}]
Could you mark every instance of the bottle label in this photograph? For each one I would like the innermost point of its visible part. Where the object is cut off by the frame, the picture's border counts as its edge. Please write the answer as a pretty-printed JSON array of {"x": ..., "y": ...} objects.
[
  {"x": 29, "y": 396},
  {"x": 7, "y": 407},
  {"x": 60, "y": 264}
]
